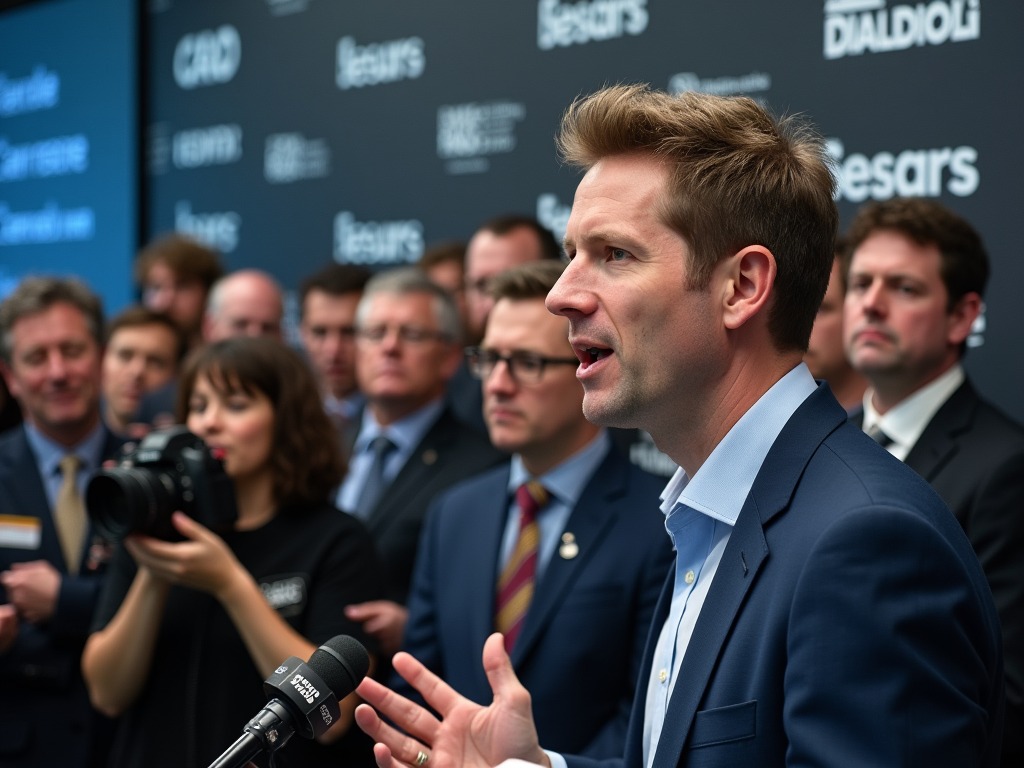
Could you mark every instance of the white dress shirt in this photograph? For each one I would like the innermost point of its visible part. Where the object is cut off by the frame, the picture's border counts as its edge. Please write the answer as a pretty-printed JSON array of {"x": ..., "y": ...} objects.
[
  {"x": 700, "y": 514},
  {"x": 904, "y": 422}
]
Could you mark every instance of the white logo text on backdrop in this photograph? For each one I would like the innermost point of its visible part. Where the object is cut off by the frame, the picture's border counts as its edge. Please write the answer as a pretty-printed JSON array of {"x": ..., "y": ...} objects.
[
  {"x": 212, "y": 145},
  {"x": 217, "y": 230},
  {"x": 376, "y": 63},
  {"x": 564, "y": 24},
  {"x": 376, "y": 242},
  {"x": 209, "y": 57},
  {"x": 40, "y": 90},
  {"x": 853, "y": 27},
  {"x": 910, "y": 173},
  {"x": 289, "y": 157}
]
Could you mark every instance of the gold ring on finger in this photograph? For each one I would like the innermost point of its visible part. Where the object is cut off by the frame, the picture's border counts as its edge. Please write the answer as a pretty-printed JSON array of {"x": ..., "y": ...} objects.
[{"x": 421, "y": 758}]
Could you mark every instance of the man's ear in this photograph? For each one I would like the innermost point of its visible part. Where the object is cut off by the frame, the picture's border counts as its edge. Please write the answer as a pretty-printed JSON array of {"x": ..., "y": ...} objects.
[
  {"x": 746, "y": 279},
  {"x": 961, "y": 317},
  {"x": 9, "y": 380}
]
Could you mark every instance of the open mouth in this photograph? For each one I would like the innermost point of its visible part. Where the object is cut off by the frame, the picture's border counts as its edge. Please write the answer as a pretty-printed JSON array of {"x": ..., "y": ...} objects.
[{"x": 590, "y": 355}]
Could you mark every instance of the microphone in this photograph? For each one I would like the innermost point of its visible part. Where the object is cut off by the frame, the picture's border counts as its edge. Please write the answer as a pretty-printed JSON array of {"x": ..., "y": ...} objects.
[{"x": 303, "y": 699}]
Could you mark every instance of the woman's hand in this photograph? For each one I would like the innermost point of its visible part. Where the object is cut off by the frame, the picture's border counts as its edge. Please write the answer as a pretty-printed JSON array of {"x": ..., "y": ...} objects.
[{"x": 203, "y": 562}]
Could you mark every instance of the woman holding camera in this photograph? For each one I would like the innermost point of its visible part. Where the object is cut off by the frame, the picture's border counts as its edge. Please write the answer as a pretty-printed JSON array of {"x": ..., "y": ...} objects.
[{"x": 186, "y": 631}]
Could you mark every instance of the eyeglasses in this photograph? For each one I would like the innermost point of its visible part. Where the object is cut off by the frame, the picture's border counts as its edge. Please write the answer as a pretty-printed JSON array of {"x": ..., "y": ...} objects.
[
  {"x": 407, "y": 334},
  {"x": 523, "y": 367}
]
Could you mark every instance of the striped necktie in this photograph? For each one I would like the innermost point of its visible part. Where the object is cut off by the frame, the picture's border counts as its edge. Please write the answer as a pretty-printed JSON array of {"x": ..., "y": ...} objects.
[{"x": 515, "y": 586}]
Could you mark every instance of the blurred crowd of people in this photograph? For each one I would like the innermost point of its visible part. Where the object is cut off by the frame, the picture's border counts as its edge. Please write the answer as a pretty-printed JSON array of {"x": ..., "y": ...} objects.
[{"x": 418, "y": 475}]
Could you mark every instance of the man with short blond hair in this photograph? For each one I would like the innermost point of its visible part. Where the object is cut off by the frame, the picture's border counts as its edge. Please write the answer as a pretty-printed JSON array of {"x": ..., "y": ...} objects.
[{"x": 824, "y": 608}]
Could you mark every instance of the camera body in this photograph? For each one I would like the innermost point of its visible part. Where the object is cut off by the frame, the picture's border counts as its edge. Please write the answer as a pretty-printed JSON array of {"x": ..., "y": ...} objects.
[{"x": 167, "y": 471}]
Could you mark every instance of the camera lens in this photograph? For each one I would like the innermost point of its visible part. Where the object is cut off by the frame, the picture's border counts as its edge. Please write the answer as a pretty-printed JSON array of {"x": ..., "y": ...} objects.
[{"x": 128, "y": 500}]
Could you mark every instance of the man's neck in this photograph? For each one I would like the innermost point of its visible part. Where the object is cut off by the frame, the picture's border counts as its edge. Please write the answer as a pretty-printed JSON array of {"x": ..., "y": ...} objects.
[
  {"x": 388, "y": 413},
  {"x": 889, "y": 391},
  {"x": 115, "y": 423},
  {"x": 540, "y": 459},
  {"x": 701, "y": 423},
  {"x": 68, "y": 435}
]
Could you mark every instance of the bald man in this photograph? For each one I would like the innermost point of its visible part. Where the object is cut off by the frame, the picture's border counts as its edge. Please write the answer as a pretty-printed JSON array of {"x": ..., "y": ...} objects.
[{"x": 245, "y": 303}]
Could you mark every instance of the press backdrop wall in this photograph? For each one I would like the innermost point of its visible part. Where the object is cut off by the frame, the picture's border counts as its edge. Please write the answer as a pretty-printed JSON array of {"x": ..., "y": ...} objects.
[{"x": 288, "y": 133}]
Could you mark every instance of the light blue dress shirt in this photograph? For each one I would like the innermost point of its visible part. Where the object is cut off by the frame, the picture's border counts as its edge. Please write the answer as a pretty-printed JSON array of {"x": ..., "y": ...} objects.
[
  {"x": 699, "y": 516},
  {"x": 406, "y": 434},
  {"x": 48, "y": 455},
  {"x": 566, "y": 483}
]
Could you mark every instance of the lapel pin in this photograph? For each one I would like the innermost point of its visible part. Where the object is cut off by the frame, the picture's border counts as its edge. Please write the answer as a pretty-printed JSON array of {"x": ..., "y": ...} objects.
[
  {"x": 569, "y": 548},
  {"x": 429, "y": 456}
]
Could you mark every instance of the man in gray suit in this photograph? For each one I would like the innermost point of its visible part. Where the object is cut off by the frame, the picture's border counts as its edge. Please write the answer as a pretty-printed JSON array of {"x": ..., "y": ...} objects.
[{"x": 410, "y": 447}]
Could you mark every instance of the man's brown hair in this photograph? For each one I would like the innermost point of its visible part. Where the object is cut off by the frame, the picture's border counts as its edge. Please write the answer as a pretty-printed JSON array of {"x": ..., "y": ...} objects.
[
  {"x": 738, "y": 177},
  {"x": 334, "y": 280},
  {"x": 305, "y": 460},
  {"x": 186, "y": 258},
  {"x": 964, "y": 261},
  {"x": 37, "y": 294},
  {"x": 451, "y": 251},
  {"x": 502, "y": 225},
  {"x": 136, "y": 316},
  {"x": 533, "y": 280}
]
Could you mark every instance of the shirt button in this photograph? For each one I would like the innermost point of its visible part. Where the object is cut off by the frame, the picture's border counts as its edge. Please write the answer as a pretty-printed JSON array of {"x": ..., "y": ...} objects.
[
  {"x": 689, "y": 577},
  {"x": 662, "y": 676}
]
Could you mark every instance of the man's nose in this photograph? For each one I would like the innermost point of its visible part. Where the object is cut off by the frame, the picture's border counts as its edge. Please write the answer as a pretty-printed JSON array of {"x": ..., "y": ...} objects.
[{"x": 571, "y": 295}]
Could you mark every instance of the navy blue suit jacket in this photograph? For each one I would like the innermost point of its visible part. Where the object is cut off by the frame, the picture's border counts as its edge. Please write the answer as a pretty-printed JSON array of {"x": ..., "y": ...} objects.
[
  {"x": 45, "y": 717},
  {"x": 580, "y": 648},
  {"x": 848, "y": 624}
]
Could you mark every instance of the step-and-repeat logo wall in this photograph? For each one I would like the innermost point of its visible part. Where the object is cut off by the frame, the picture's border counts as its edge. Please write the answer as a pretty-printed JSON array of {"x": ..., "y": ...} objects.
[{"x": 287, "y": 133}]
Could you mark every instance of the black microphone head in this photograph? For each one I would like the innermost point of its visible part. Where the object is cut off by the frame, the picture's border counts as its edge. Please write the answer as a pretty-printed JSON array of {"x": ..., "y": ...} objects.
[{"x": 342, "y": 663}]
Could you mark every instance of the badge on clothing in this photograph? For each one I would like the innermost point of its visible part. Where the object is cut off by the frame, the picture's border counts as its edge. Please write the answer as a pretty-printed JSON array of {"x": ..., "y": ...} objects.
[{"x": 20, "y": 532}]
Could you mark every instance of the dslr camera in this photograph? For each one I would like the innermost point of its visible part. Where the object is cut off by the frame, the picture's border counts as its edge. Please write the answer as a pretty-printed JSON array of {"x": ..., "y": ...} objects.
[{"x": 169, "y": 470}]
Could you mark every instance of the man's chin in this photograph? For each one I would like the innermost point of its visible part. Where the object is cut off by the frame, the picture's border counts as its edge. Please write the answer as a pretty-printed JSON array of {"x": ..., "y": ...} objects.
[{"x": 606, "y": 412}]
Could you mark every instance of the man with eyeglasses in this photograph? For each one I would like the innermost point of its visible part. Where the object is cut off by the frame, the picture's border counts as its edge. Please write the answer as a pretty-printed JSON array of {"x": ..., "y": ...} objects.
[
  {"x": 410, "y": 447},
  {"x": 562, "y": 549},
  {"x": 499, "y": 244}
]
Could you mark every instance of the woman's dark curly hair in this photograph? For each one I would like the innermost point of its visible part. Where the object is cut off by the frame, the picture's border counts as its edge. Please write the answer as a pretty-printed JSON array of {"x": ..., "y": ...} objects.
[{"x": 306, "y": 459}]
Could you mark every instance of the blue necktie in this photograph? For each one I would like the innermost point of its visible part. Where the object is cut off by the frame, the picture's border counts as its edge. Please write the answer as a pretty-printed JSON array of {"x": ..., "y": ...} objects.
[{"x": 373, "y": 489}]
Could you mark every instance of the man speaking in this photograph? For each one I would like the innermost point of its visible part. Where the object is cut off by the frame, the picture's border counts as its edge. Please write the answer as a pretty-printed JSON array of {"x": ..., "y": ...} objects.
[{"x": 825, "y": 608}]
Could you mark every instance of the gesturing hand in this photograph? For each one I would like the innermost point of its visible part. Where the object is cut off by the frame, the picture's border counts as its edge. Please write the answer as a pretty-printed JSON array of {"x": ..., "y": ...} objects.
[
  {"x": 384, "y": 620},
  {"x": 32, "y": 588},
  {"x": 202, "y": 562},
  {"x": 468, "y": 735}
]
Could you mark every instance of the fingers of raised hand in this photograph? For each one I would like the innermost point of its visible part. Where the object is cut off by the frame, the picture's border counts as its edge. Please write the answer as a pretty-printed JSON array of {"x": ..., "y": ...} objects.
[
  {"x": 384, "y": 759},
  {"x": 410, "y": 717},
  {"x": 434, "y": 690},
  {"x": 401, "y": 748},
  {"x": 502, "y": 678}
]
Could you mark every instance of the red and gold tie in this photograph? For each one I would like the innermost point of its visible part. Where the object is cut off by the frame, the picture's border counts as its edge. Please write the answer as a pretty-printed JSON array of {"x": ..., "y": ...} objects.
[{"x": 515, "y": 586}]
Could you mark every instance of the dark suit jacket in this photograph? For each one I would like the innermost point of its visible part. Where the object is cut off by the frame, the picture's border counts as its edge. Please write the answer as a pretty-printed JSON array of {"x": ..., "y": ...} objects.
[
  {"x": 849, "y": 622},
  {"x": 973, "y": 456},
  {"x": 449, "y": 452},
  {"x": 45, "y": 717},
  {"x": 581, "y": 646}
]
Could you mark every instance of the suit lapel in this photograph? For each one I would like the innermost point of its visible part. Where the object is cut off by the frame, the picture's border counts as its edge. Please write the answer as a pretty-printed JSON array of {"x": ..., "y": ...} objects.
[
  {"x": 25, "y": 490},
  {"x": 938, "y": 442},
  {"x": 742, "y": 560},
  {"x": 589, "y": 523},
  {"x": 412, "y": 475},
  {"x": 486, "y": 526}
]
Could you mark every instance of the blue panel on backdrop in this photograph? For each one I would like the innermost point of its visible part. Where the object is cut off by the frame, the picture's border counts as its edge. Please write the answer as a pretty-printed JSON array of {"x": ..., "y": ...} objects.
[{"x": 68, "y": 144}]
